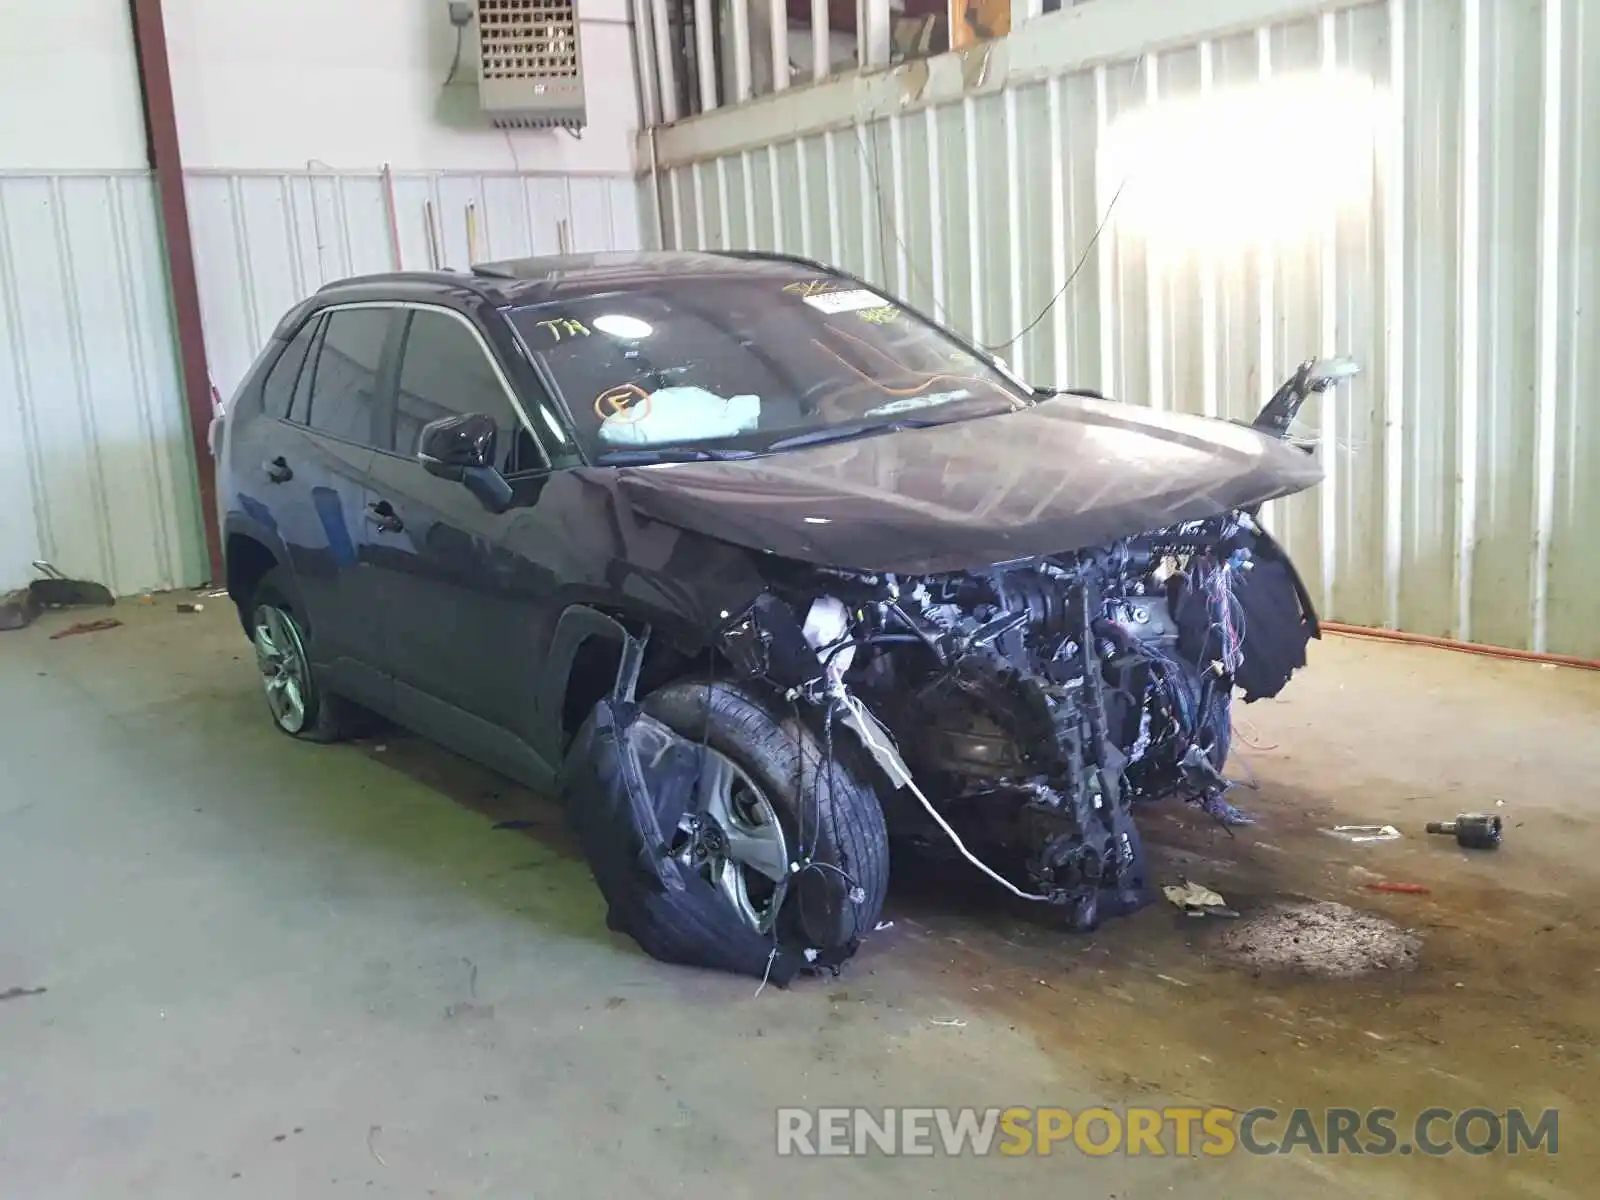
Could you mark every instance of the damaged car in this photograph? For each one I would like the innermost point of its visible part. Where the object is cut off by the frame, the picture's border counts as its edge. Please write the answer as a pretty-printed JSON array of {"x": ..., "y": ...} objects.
[{"x": 759, "y": 569}]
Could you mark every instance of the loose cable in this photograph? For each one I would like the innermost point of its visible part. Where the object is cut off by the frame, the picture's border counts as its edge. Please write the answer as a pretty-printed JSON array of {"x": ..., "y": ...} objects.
[{"x": 865, "y": 724}]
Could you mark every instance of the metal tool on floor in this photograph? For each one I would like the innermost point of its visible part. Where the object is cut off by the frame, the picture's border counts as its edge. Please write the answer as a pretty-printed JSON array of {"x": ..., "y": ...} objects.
[{"x": 1474, "y": 831}]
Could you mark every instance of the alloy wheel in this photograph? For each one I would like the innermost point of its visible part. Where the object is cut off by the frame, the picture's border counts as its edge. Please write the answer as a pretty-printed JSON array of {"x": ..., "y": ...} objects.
[
  {"x": 285, "y": 674},
  {"x": 733, "y": 838}
]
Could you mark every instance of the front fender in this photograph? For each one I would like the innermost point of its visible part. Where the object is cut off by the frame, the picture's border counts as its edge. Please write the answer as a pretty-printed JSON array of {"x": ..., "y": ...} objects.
[{"x": 576, "y": 625}]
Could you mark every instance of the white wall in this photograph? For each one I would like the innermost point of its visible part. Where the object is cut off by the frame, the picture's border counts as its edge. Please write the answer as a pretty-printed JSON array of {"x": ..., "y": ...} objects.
[
  {"x": 283, "y": 84},
  {"x": 69, "y": 90},
  {"x": 96, "y": 470},
  {"x": 286, "y": 110}
]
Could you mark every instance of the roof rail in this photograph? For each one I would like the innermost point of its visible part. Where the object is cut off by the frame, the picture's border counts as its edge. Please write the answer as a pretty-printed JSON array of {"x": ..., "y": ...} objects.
[{"x": 777, "y": 256}]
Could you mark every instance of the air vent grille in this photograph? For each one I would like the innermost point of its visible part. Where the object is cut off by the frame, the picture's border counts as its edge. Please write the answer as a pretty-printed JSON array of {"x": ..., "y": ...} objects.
[
  {"x": 530, "y": 66},
  {"x": 529, "y": 39}
]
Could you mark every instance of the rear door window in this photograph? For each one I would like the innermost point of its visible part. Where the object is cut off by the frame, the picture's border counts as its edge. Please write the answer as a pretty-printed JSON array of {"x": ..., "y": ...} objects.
[
  {"x": 446, "y": 371},
  {"x": 342, "y": 389}
]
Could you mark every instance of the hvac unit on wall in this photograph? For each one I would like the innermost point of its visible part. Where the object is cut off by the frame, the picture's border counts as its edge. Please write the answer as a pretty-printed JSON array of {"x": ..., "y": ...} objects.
[{"x": 530, "y": 72}]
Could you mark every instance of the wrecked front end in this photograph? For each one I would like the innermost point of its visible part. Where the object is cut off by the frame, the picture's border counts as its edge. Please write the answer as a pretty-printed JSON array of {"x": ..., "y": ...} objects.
[
  {"x": 1027, "y": 708},
  {"x": 1013, "y": 715}
]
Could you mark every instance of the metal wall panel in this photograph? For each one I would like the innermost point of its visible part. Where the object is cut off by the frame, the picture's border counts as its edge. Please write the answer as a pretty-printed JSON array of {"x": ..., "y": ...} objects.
[
  {"x": 96, "y": 471},
  {"x": 96, "y": 465},
  {"x": 264, "y": 241},
  {"x": 1464, "y": 463}
]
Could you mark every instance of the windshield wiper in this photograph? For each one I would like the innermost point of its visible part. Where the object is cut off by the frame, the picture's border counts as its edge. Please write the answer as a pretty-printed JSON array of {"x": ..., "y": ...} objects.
[
  {"x": 1088, "y": 393},
  {"x": 843, "y": 433},
  {"x": 654, "y": 454}
]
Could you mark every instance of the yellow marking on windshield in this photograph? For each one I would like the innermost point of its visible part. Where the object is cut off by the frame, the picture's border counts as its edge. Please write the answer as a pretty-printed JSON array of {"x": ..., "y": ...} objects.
[
  {"x": 626, "y": 402},
  {"x": 811, "y": 287},
  {"x": 879, "y": 316},
  {"x": 561, "y": 328},
  {"x": 928, "y": 378}
]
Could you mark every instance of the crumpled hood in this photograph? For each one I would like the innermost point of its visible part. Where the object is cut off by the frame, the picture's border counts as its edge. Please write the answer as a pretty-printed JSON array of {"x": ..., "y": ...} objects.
[{"x": 1062, "y": 475}]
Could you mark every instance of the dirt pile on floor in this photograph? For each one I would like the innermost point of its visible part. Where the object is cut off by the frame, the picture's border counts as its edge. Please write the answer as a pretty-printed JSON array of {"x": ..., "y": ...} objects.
[{"x": 1320, "y": 938}]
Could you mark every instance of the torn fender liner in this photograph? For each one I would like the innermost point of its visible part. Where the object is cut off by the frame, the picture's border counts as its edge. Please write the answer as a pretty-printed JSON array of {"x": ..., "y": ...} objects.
[
  {"x": 1274, "y": 615},
  {"x": 627, "y": 781}
]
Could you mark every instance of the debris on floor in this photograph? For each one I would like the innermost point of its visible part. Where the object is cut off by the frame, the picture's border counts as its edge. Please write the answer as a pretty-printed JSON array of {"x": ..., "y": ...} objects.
[
  {"x": 1404, "y": 889},
  {"x": 17, "y": 609},
  {"x": 1472, "y": 831},
  {"x": 21, "y": 607},
  {"x": 1320, "y": 938},
  {"x": 953, "y": 1023},
  {"x": 185, "y": 606},
  {"x": 78, "y": 627},
  {"x": 1366, "y": 833},
  {"x": 1228, "y": 814},
  {"x": 55, "y": 590},
  {"x": 16, "y": 993},
  {"x": 1196, "y": 900}
]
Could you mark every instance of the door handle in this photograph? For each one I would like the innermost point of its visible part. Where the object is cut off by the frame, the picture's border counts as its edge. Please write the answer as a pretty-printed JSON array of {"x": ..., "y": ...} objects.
[
  {"x": 277, "y": 470},
  {"x": 383, "y": 515}
]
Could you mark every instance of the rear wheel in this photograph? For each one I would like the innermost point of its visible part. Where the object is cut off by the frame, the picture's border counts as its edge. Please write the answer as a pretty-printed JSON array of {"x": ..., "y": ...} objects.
[{"x": 300, "y": 707}]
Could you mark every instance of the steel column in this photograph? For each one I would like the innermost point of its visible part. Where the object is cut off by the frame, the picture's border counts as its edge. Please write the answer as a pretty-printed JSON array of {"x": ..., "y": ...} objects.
[{"x": 166, "y": 164}]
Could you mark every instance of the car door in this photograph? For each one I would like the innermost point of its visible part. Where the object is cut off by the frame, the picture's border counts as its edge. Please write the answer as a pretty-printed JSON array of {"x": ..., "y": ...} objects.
[
  {"x": 453, "y": 598},
  {"x": 329, "y": 435}
]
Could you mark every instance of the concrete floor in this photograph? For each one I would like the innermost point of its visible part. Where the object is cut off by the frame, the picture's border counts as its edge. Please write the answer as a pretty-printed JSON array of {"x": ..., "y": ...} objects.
[{"x": 273, "y": 969}]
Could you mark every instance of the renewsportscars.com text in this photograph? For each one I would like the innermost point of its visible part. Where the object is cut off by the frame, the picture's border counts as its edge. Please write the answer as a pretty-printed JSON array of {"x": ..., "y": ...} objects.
[{"x": 1177, "y": 1131}]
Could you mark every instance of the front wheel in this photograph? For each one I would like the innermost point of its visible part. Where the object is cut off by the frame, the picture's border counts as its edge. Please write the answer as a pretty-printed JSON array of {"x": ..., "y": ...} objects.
[{"x": 767, "y": 801}]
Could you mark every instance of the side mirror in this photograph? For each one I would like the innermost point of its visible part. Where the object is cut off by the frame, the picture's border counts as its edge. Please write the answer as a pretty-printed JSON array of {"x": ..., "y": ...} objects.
[
  {"x": 1314, "y": 377},
  {"x": 1325, "y": 373},
  {"x": 461, "y": 449},
  {"x": 451, "y": 446}
]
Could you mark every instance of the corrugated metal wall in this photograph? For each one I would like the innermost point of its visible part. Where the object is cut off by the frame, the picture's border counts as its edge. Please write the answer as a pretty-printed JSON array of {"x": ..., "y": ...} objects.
[
  {"x": 96, "y": 469},
  {"x": 1464, "y": 464},
  {"x": 96, "y": 472},
  {"x": 264, "y": 241}
]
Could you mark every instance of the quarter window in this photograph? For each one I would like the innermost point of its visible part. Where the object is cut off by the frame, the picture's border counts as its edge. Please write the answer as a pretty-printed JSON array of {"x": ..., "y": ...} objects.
[
  {"x": 300, "y": 404},
  {"x": 278, "y": 389}
]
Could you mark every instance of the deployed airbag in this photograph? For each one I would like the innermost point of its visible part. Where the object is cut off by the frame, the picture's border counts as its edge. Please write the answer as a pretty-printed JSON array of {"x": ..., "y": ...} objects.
[{"x": 681, "y": 414}]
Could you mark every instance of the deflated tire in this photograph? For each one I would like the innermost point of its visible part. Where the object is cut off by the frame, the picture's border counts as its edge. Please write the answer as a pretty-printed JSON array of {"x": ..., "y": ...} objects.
[{"x": 723, "y": 834}]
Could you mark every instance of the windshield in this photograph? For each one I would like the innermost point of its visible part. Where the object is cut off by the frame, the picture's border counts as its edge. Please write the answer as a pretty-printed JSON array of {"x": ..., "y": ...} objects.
[{"x": 745, "y": 363}]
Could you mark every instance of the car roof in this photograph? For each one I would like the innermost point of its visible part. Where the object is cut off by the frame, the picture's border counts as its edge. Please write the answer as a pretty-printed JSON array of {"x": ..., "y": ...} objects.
[{"x": 523, "y": 281}]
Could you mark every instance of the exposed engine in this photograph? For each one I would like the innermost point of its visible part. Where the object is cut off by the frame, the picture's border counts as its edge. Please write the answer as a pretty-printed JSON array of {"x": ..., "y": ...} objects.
[
  {"x": 1033, "y": 704},
  {"x": 1027, "y": 707}
]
